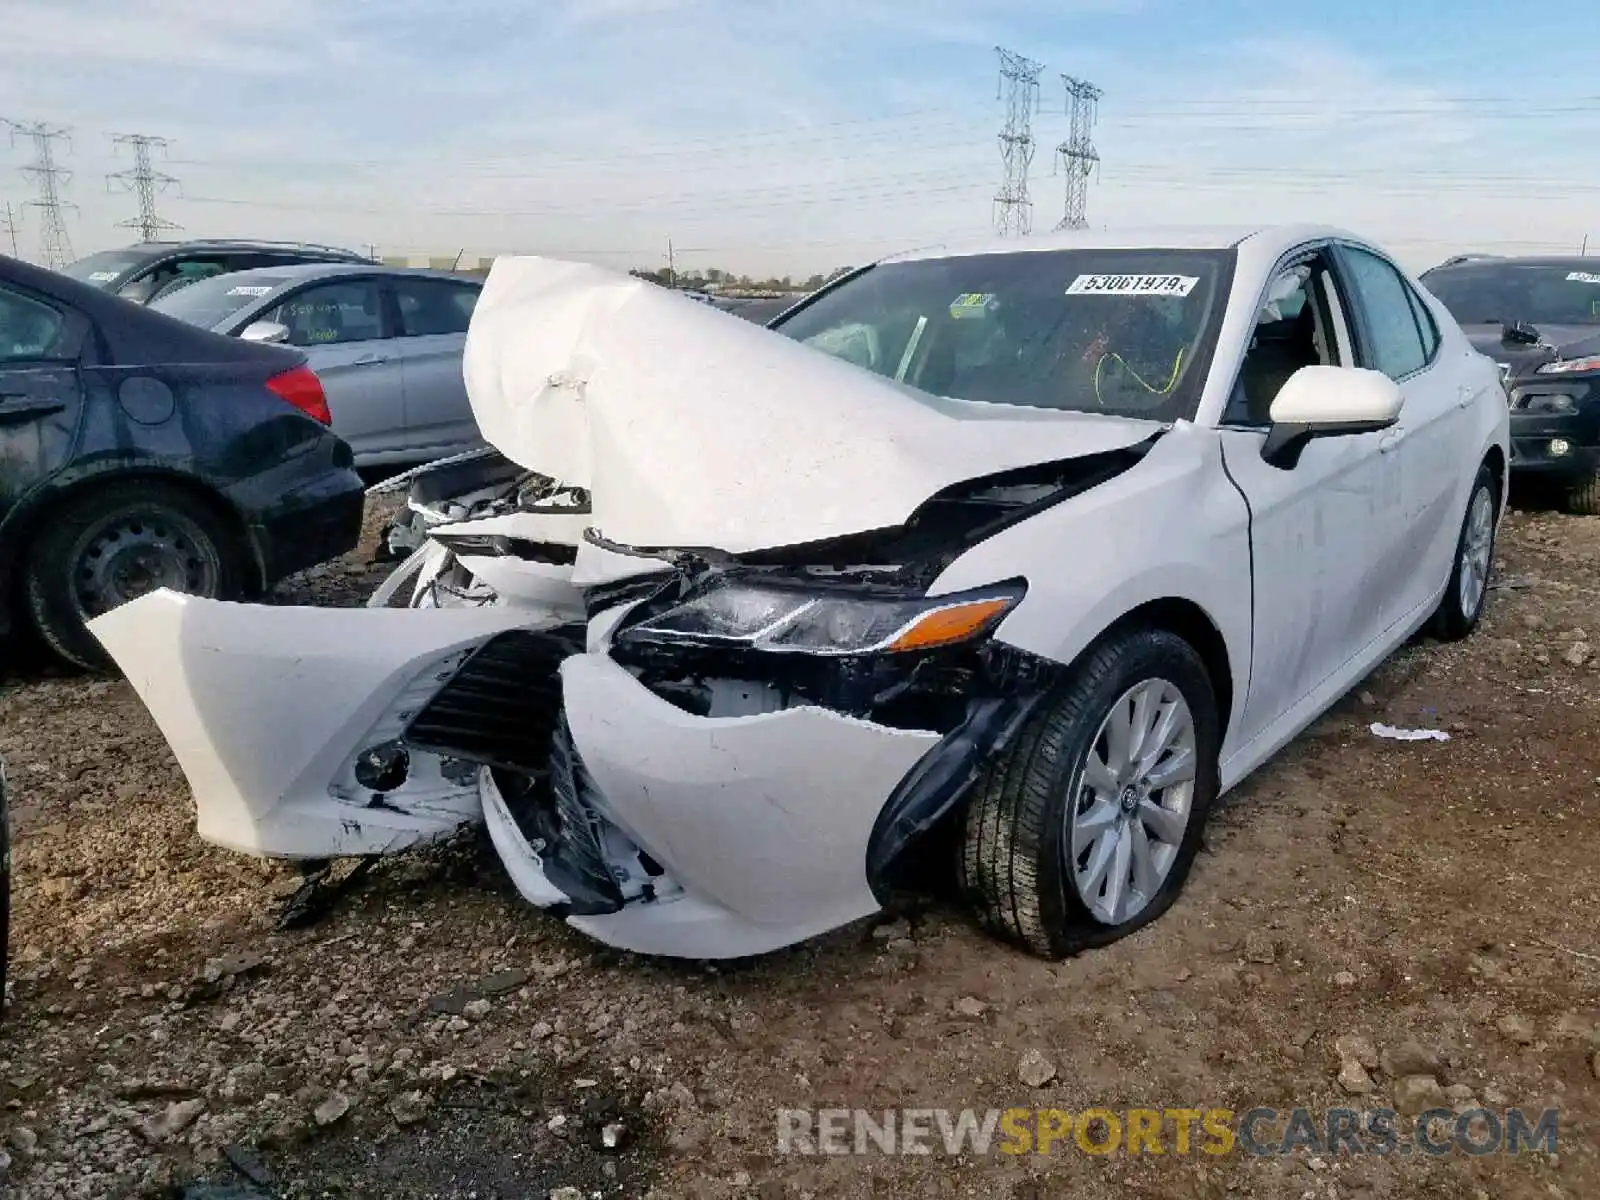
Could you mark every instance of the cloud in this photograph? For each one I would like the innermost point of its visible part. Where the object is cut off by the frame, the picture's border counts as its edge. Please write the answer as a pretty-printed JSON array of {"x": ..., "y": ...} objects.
[
  {"x": 182, "y": 34},
  {"x": 792, "y": 137}
]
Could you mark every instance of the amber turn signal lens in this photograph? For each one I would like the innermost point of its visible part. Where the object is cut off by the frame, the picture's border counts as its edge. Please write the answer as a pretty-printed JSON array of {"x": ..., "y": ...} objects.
[{"x": 957, "y": 623}]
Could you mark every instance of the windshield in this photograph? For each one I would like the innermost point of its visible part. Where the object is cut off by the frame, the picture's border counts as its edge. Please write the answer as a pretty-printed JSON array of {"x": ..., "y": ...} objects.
[
  {"x": 104, "y": 268},
  {"x": 212, "y": 303},
  {"x": 1123, "y": 332},
  {"x": 1540, "y": 294}
]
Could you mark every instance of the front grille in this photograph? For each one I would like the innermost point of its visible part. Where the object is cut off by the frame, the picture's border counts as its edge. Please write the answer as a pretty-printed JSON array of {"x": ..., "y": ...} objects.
[
  {"x": 558, "y": 817},
  {"x": 500, "y": 707}
]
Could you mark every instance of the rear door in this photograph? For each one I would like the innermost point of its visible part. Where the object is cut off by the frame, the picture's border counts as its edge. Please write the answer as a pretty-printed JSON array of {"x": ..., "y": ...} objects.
[
  {"x": 41, "y": 391},
  {"x": 431, "y": 317},
  {"x": 340, "y": 325}
]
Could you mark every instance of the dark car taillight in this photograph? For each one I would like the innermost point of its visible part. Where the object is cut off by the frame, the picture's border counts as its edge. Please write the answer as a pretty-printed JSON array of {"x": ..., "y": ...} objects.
[{"x": 301, "y": 388}]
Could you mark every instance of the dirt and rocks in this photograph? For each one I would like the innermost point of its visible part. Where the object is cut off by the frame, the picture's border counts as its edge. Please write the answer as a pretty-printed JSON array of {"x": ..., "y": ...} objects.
[{"x": 1373, "y": 924}]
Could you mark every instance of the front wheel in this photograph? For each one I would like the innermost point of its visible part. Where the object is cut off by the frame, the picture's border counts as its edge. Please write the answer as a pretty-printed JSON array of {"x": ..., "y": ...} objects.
[
  {"x": 1464, "y": 596},
  {"x": 1085, "y": 829},
  {"x": 114, "y": 544}
]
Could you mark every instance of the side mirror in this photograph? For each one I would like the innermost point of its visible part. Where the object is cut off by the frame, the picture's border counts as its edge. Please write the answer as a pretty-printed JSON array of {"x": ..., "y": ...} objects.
[
  {"x": 1323, "y": 401},
  {"x": 265, "y": 331}
]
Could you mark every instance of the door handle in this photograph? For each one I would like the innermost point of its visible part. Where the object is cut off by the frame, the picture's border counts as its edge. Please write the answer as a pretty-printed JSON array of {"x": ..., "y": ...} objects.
[
  {"x": 1391, "y": 440},
  {"x": 1465, "y": 395},
  {"x": 369, "y": 360}
]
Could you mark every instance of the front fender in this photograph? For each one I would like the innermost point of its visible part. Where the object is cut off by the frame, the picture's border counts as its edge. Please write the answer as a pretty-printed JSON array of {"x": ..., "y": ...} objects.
[{"x": 1170, "y": 528}]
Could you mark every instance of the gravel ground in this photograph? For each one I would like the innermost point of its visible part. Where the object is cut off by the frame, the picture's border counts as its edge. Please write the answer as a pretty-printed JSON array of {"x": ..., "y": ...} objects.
[{"x": 1366, "y": 912}]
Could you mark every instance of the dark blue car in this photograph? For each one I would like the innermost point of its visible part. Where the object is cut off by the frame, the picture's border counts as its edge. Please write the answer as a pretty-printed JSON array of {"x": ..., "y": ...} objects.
[{"x": 139, "y": 452}]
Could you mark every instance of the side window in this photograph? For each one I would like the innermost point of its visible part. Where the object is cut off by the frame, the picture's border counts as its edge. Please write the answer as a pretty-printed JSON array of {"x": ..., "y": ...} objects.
[
  {"x": 253, "y": 259},
  {"x": 1294, "y": 329},
  {"x": 432, "y": 306},
  {"x": 330, "y": 313},
  {"x": 1393, "y": 344},
  {"x": 29, "y": 330},
  {"x": 1425, "y": 323},
  {"x": 171, "y": 275}
]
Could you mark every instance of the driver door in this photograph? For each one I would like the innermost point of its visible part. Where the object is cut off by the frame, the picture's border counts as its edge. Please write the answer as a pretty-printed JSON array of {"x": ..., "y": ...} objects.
[{"x": 1322, "y": 532}]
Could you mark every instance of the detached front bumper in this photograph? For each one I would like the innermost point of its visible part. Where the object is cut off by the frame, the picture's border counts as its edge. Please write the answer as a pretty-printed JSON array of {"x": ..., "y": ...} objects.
[
  {"x": 723, "y": 836},
  {"x": 270, "y": 711}
]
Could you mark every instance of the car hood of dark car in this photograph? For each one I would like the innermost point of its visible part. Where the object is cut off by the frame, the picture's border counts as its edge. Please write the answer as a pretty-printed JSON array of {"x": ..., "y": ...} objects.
[{"x": 1519, "y": 359}]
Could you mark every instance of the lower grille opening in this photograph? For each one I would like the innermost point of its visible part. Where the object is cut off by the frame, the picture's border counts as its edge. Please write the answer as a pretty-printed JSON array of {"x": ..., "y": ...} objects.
[{"x": 500, "y": 707}]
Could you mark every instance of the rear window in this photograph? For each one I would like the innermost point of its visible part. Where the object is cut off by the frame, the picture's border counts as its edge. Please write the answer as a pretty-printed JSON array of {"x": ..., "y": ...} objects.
[
  {"x": 103, "y": 269},
  {"x": 216, "y": 302}
]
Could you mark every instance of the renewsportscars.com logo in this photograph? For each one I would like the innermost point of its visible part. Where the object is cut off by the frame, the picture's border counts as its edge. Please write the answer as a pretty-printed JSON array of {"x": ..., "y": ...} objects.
[{"x": 1181, "y": 1131}]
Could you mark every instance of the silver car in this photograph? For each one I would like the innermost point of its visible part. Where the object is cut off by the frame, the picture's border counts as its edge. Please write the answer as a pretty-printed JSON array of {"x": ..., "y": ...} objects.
[{"x": 385, "y": 341}]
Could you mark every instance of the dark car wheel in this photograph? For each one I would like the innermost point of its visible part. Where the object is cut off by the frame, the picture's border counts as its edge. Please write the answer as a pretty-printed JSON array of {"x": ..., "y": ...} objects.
[
  {"x": 1468, "y": 590},
  {"x": 115, "y": 544},
  {"x": 1085, "y": 829},
  {"x": 1583, "y": 499}
]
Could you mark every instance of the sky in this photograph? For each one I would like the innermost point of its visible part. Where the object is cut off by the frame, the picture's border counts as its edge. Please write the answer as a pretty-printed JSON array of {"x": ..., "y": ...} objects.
[{"x": 796, "y": 138}]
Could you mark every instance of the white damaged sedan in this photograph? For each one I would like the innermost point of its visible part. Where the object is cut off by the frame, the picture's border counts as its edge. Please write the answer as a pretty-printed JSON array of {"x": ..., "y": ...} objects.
[{"x": 1008, "y": 561}]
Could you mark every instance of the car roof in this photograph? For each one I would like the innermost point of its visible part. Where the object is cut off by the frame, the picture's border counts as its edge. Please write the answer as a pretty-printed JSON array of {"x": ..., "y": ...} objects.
[
  {"x": 200, "y": 245},
  {"x": 135, "y": 333},
  {"x": 293, "y": 273},
  {"x": 1258, "y": 245},
  {"x": 1526, "y": 260}
]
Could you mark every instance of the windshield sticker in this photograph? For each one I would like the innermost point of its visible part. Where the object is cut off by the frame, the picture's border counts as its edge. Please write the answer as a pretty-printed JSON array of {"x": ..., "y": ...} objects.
[
  {"x": 1133, "y": 285},
  {"x": 1583, "y": 277},
  {"x": 971, "y": 304},
  {"x": 251, "y": 290},
  {"x": 102, "y": 276}
]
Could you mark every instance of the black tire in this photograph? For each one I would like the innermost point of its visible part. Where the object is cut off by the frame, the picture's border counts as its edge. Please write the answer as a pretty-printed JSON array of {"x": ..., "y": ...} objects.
[
  {"x": 1453, "y": 620},
  {"x": 1583, "y": 499},
  {"x": 1016, "y": 867},
  {"x": 65, "y": 576}
]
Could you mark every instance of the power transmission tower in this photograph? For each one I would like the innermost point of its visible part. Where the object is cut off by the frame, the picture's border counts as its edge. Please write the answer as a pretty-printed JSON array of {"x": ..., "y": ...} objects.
[
  {"x": 54, "y": 245},
  {"x": 1019, "y": 88},
  {"x": 8, "y": 226},
  {"x": 144, "y": 181},
  {"x": 1077, "y": 154}
]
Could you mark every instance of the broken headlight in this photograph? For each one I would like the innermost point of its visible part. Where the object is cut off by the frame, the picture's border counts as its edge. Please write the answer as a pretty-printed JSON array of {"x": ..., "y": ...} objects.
[{"x": 779, "y": 619}]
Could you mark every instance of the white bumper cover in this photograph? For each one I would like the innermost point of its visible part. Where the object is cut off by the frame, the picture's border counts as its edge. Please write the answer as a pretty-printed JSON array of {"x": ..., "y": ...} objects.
[
  {"x": 761, "y": 822},
  {"x": 266, "y": 709}
]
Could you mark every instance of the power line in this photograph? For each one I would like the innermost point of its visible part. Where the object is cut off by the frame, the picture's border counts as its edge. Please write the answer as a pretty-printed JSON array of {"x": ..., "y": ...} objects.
[
  {"x": 144, "y": 181},
  {"x": 1077, "y": 154},
  {"x": 55, "y": 247},
  {"x": 1019, "y": 88}
]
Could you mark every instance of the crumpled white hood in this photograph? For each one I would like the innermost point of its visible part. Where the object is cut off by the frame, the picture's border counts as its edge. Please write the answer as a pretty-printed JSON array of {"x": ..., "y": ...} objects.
[{"x": 693, "y": 427}]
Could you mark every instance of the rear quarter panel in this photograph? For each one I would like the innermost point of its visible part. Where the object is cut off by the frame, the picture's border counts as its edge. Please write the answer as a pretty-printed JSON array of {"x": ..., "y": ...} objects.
[{"x": 200, "y": 424}]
